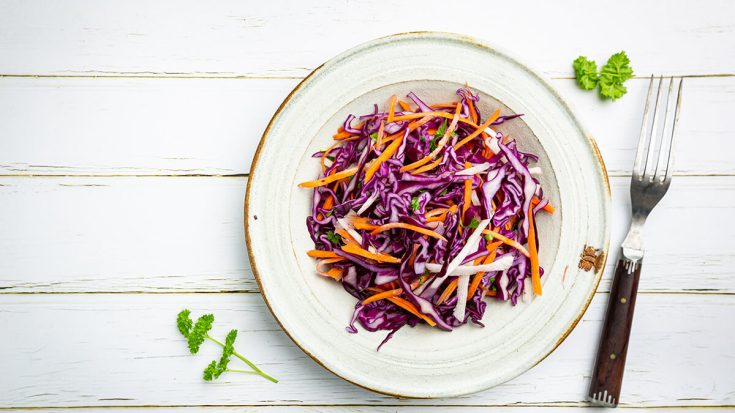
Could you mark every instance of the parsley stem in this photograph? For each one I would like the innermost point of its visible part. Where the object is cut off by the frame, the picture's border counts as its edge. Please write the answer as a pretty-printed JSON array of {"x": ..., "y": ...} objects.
[
  {"x": 248, "y": 362},
  {"x": 241, "y": 371}
]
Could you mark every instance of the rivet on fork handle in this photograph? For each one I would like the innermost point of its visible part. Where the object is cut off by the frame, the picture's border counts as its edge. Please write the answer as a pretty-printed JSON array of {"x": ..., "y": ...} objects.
[{"x": 607, "y": 377}]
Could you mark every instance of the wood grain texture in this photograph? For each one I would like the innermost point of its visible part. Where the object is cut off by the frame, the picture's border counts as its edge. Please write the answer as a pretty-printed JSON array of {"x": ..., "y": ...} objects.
[
  {"x": 100, "y": 350},
  {"x": 212, "y": 126},
  {"x": 283, "y": 38},
  {"x": 130, "y": 234}
]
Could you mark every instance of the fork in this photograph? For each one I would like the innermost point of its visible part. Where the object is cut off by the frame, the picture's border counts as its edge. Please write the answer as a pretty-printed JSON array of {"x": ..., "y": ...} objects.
[{"x": 650, "y": 181}]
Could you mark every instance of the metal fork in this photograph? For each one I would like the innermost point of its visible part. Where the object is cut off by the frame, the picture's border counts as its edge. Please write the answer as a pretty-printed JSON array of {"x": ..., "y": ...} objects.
[{"x": 651, "y": 178}]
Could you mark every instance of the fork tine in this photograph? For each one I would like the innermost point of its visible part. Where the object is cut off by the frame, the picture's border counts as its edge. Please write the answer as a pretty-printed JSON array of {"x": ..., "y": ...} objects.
[
  {"x": 664, "y": 135},
  {"x": 639, "y": 166},
  {"x": 649, "y": 169},
  {"x": 668, "y": 168}
]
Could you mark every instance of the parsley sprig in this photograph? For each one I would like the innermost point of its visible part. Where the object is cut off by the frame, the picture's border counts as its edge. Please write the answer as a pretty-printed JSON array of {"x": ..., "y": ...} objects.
[
  {"x": 196, "y": 333},
  {"x": 610, "y": 78}
]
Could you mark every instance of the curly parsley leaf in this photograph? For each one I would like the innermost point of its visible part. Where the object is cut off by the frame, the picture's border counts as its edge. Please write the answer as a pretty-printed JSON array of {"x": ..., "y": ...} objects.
[
  {"x": 184, "y": 323},
  {"x": 199, "y": 332},
  {"x": 215, "y": 369},
  {"x": 474, "y": 223},
  {"x": 612, "y": 75},
  {"x": 333, "y": 238},
  {"x": 585, "y": 71},
  {"x": 374, "y": 136},
  {"x": 415, "y": 203}
]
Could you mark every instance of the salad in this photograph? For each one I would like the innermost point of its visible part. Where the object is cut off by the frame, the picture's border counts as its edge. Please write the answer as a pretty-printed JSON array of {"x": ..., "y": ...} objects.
[{"x": 422, "y": 211}]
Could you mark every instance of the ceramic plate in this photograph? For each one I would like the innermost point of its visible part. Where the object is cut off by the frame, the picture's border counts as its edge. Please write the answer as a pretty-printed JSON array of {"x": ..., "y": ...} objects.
[{"x": 422, "y": 361}]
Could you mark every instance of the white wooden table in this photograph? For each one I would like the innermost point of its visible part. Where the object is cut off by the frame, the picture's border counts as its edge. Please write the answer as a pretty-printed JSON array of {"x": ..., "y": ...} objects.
[{"x": 126, "y": 134}]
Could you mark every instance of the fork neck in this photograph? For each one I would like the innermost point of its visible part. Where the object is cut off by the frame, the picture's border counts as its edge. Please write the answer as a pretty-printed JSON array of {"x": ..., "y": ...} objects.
[{"x": 633, "y": 243}]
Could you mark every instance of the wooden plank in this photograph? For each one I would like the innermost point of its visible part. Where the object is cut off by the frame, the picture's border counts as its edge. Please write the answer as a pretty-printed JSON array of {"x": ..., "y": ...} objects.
[
  {"x": 164, "y": 234},
  {"x": 212, "y": 126},
  {"x": 124, "y": 350},
  {"x": 232, "y": 38},
  {"x": 376, "y": 409}
]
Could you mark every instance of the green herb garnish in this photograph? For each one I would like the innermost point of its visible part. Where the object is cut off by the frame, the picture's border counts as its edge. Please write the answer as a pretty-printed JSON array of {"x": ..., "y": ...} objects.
[
  {"x": 585, "y": 71},
  {"x": 196, "y": 333},
  {"x": 488, "y": 237},
  {"x": 438, "y": 135},
  {"x": 474, "y": 223},
  {"x": 374, "y": 136},
  {"x": 415, "y": 203},
  {"x": 612, "y": 75},
  {"x": 333, "y": 238},
  {"x": 610, "y": 78}
]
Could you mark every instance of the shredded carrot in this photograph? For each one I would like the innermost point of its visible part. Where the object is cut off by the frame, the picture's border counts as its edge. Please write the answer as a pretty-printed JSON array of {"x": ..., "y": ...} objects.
[
  {"x": 410, "y": 227},
  {"x": 446, "y": 115},
  {"x": 439, "y": 146},
  {"x": 334, "y": 273},
  {"x": 535, "y": 272},
  {"x": 438, "y": 218},
  {"x": 381, "y": 132},
  {"x": 411, "y": 309},
  {"x": 412, "y": 258},
  {"x": 448, "y": 291},
  {"x": 382, "y": 295},
  {"x": 328, "y": 203},
  {"x": 346, "y": 237},
  {"x": 507, "y": 241},
  {"x": 357, "y": 250},
  {"x": 361, "y": 222},
  {"x": 387, "y": 153},
  {"x": 491, "y": 293},
  {"x": 321, "y": 254},
  {"x": 443, "y": 106},
  {"x": 467, "y": 192},
  {"x": 391, "y": 108},
  {"x": 440, "y": 211},
  {"x": 473, "y": 112},
  {"x": 479, "y": 130},
  {"x": 405, "y": 106},
  {"x": 428, "y": 167},
  {"x": 329, "y": 179},
  {"x": 493, "y": 247},
  {"x": 548, "y": 208},
  {"x": 341, "y": 134}
]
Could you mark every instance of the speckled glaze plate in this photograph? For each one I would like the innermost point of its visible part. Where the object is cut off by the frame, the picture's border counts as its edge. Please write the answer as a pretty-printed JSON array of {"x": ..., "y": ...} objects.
[{"x": 422, "y": 361}]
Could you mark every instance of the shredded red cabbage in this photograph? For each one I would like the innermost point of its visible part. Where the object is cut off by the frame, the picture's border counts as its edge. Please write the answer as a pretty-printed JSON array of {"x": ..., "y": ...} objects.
[{"x": 429, "y": 195}]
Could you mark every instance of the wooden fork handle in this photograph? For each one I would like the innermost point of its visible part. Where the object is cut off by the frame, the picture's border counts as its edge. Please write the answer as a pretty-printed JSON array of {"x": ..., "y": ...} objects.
[{"x": 607, "y": 376}]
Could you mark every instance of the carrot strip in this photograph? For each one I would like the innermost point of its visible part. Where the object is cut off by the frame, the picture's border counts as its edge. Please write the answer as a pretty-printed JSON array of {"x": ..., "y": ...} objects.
[
  {"x": 548, "y": 208},
  {"x": 329, "y": 179},
  {"x": 434, "y": 114},
  {"x": 412, "y": 258},
  {"x": 334, "y": 273},
  {"x": 507, "y": 241},
  {"x": 491, "y": 293},
  {"x": 411, "y": 309},
  {"x": 440, "y": 211},
  {"x": 448, "y": 291},
  {"x": 381, "y": 131},
  {"x": 443, "y": 106},
  {"x": 479, "y": 130},
  {"x": 357, "y": 250},
  {"x": 383, "y": 295},
  {"x": 478, "y": 277},
  {"x": 391, "y": 108},
  {"x": 535, "y": 272},
  {"x": 348, "y": 239},
  {"x": 439, "y": 146},
  {"x": 361, "y": 223},
  {"x": 428, "y": 167},
  {"x": 322, "y": 254},
  {"x": 473, "y": 112},
  {"x": 341, "y": 134},
  {"x": 387, "y": 153},
  {"x": 405, "y": 106},
  {"x": 410, "y": 227},
  {"x": 467, "y": 192}
]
